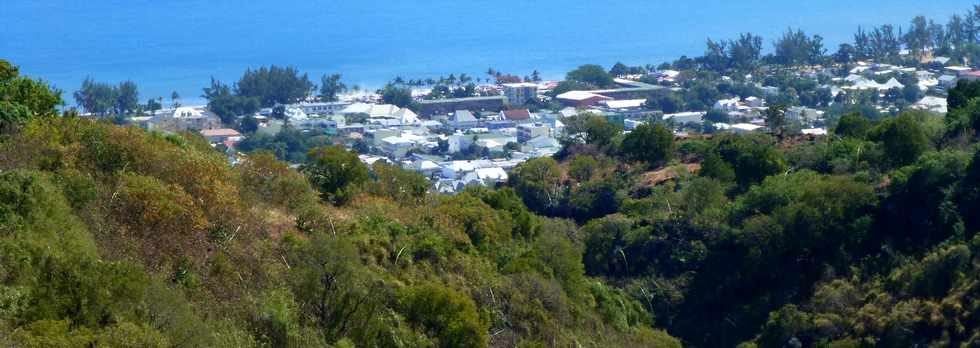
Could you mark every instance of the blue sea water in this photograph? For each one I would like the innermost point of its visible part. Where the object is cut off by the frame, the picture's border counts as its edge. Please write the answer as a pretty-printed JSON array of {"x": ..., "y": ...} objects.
[{"x": 177, "y": 45}]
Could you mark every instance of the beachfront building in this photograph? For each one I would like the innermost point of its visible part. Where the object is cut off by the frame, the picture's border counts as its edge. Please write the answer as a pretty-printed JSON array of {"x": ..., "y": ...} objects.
[
  {"x": 320, "y": 108},
  {"x": 184, "y": 119}
]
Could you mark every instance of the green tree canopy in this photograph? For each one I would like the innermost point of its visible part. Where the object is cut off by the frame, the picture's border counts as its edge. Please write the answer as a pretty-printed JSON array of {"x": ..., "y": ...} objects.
[
  {"x": 591, "y": 74},
  {"x": 330, "y": 87},
  {"x": 274, "y": 85},
  {"x": 653, "y": 144},
  {"x": 335, "y": 172}
]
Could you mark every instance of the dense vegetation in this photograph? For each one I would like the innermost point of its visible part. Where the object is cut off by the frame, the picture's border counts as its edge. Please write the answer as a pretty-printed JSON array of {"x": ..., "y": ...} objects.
[
  {"x": 113, "y": 236},
  {"x": 863, "y": 239}
]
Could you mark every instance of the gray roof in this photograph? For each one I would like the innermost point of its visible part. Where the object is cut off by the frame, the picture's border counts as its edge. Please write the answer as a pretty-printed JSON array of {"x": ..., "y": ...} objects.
[{"x": 463, "y": 116}]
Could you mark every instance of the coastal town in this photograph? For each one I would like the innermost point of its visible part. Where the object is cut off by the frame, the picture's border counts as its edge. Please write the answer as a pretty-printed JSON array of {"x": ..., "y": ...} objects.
[
  {"x": 446, "y": 183},
  {"x": 476, "y": 140}
]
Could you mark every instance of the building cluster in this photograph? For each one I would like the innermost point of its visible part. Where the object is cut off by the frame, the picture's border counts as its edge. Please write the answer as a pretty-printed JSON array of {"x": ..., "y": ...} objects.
[{"x": 477, "y": 140}]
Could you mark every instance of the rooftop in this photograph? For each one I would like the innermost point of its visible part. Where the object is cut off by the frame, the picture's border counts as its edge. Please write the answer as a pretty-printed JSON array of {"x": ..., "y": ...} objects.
[
  {"x": 220, "y": 132},
  {"x": 517, "y": 115}
]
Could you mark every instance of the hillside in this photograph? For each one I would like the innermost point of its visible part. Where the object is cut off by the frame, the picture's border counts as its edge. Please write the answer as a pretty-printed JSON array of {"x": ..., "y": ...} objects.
[
  {"x": 118, "y": 237},
  {"x": 114, "y": 236}
]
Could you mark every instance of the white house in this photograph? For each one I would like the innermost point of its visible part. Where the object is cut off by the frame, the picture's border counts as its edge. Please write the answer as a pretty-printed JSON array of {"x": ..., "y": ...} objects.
[
  {"x": 745, "y": 128},
  {"x": 727, "y": 104},
  {"x": 934, "y": 104},
  {"x": 686, "y": 117}
]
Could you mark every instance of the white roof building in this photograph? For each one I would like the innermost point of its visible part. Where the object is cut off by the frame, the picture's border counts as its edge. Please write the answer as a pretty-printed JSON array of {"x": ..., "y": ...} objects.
[
  {"x": 188, "y": 112},
  {"x": 686, "y": 117},
  {"x": 727, "y": 104},
  {"x": 579, "y": 95},
  {"x": 814, "y": 131},
  {"x": 357, "y": 108},
  {"x": 892, "y": 83},
  {"x": 744, "y": 127},
  {"x": 934, "y": 104},
  {"x": 624, "y": 104}
]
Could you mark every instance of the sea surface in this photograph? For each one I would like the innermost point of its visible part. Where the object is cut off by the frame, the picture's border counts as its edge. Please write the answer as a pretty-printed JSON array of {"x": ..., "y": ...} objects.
[{"x": 177, "y": 45}]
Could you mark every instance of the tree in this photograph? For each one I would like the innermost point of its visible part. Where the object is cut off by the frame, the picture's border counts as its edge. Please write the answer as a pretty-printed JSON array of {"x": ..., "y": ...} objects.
[
  {"x": 248, "y": 124},
  {"x": 846, "y": 53},
  {"x": 583, "y": 167},
  {"x": 538, "y": 182},
  {"x": 400, "y": 184},
  {"x": 796, "y": 48},
  {"x": 445, "y": 314},
  {"x": 395, "y": 95},
  {"x": 12, "y": 115},
  {"x": 751, "y": 159},
  {"x": 95, "y": 97},
  {"x": 599, "y": 131},
  {"x": 911, "y": 93},
  {"x": 961, "y": 95},
  {"x": 651, "y": 144},
  {"x": 853, "y": 125},
  {"x": 605, "y": 241},
  {"x": 275, "y": 85},
  {"x": 335, "y": 172},
  {"x": 716, "y": 56},
  {"x": 884, "y": 43},
  {"x": 717, "y": 116},
  {"x": 902, "y": 138},
  {"x": 174, "y": 100},
  {"x": 127, "y": 98},
  {"x": 669, "y": 103},
  {"x": 34, "y": 96},
  {"x": 228, "y": 106},
  {"x": 152, "y": 105},
  {"x": 745, "y": 51},
  {"x": 330, "y": 87},
  {"x": 591, "y": 74},
  {"x": 917, "y": 37},
  {"x": 775, "y": 117},
  {"x": 968, "y": 194},
  {"x": 619, "y": 69}
]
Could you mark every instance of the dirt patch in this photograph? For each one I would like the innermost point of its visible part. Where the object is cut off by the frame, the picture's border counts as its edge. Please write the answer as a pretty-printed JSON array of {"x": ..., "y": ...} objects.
[{"x": 657, "y": 177}]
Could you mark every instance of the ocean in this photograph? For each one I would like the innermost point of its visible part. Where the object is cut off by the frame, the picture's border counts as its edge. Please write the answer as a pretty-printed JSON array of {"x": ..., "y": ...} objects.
[{"x": 177, "y": 45}]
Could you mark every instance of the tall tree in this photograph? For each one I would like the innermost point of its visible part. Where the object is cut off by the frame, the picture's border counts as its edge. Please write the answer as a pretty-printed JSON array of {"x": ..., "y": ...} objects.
[
  {"x": 591, "y": 74},
  {"x": 775, "y": 117},
  {"x": 651, "y": 144},
  {"x": 745, "y": 51},
  {"x": 716, "y": 56},
  {"x": 127, "y": 98},
  {"x": 275, "y": 85},
  {"x": 795, "y": 48},
  {"x": 175, "y": 99},
  {"x": 395, "y": 95},
  {"x": 335, "y": 172},
  {"x": 330, "y": 87},
  {"x": 917, "y": 38},
  {"x": 884, "y": 42},
  {"x": 97, "y": 98}
]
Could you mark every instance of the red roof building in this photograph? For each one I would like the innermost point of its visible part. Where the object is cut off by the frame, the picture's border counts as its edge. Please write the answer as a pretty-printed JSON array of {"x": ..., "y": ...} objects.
[{"x": 517, "y": 115}]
